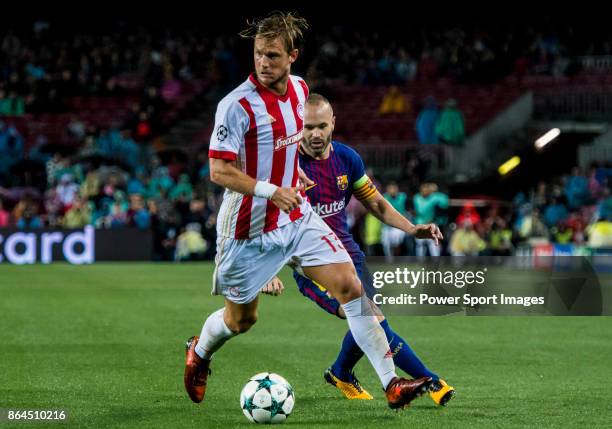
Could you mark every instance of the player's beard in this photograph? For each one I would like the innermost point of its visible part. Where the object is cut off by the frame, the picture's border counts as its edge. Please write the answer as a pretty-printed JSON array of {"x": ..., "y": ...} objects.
[{"x": 319, "y": 151}]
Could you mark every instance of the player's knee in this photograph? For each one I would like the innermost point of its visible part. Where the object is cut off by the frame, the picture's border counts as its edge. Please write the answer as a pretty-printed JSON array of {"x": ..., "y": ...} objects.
[
  {"x": 350, "y": 287},
  {"x": 242, "y": 324},
  {"x": 245, "y": 323}
]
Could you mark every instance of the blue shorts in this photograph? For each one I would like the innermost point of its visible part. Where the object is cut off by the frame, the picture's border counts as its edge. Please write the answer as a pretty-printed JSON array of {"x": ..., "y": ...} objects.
[{"x": 322, "y": 297}]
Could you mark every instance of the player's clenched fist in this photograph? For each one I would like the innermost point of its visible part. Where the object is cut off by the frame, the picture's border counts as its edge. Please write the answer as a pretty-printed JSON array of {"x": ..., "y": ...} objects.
[
  {"x": 286, "y": 199},
  {"x": 274, "y": 288}
]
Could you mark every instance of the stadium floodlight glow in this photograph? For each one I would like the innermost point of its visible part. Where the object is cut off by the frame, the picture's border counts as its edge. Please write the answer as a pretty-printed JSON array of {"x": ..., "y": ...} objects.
[
  {"x": 547, "y": 138},
  {"x": 509, "y": 165}
]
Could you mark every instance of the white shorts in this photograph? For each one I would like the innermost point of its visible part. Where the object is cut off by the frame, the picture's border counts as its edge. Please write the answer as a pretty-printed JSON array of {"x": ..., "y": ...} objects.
[{"x": 243, "y": 267}]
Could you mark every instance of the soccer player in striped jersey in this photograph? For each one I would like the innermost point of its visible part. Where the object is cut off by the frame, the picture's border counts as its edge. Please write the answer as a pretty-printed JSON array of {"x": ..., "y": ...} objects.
[
  {"x": 339, "y": 173},
  {"x": 264, "y": 223}
]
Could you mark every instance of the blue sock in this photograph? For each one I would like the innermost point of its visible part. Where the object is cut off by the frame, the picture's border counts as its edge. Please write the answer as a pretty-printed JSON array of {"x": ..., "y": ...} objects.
[
  {"x": 349, "y": 355},
  {"x": 403, "y": 356}
]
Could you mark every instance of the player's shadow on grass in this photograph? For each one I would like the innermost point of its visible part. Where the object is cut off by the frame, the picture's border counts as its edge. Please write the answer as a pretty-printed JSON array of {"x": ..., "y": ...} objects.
[{"x": 357, "y": 409}]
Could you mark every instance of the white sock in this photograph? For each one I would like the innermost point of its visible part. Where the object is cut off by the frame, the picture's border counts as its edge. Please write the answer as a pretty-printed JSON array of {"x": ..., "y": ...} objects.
[
  {"x": 371, "y": 338},
  {"x": 214, "y": 334}
]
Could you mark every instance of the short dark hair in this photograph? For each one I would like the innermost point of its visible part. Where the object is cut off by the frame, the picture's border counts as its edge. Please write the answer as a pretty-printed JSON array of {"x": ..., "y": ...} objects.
[
  {"x": 315, "y": 98},
  {"x": 289, "y": 26}
]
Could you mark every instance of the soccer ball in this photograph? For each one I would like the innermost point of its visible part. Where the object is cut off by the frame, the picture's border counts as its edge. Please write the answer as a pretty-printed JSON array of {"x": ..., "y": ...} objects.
[{"x": 267, "y": 398}]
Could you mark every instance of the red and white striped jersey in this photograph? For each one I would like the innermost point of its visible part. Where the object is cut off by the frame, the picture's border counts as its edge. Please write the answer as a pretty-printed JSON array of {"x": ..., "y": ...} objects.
[{"x": 261, "y": 131}]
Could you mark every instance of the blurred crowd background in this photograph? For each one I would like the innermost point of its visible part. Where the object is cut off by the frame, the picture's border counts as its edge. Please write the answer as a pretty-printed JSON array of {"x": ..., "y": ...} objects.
[{"x": 109, "y": 126}]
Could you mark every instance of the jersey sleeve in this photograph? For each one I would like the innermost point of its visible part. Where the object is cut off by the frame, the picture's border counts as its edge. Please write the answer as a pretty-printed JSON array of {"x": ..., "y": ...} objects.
[
  {"x": 231, "y": 124},
  {"x": 304, "y": 86},
  {"x": 363, "y": 188}
]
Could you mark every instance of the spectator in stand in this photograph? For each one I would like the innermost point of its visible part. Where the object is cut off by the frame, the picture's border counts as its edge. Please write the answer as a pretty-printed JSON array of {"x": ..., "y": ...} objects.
[
  {"x": 450, "y": 126},
  {"x": 372, "y": 231},
  {"x": 355, "y": 216},
  {"x": 426, "y": 122},
  {"x": 604, "y": 207},
  {"x": 90, "y": 188},
  {"x": 76, "y": 128},
  {"x": 540, "y": 196},
  {"x": 5, "y": 216},
  {"x": 531, "y": 226},
  {"x": 500, "y": 238},
  {"x": 138, "y": 183},
  {"x": 204, "y": 216},
  {"x": 394, "y": 102},
  {"x": 138, "y": 215},
  {"x": 595, "y": 187},
  {"x": 52, "y": 167},
  {"x": 161, "y": 180},
  {"x": 405, "y": 67},
  {"x": 468, "y": 213},
  {"x": 128, "y": 149},
  {"x": 26, "y": 215},
  {"x": 562, "y": 233},
  {"x": 198, "y": 213},
  {"x": 600, "y": 233},
  {"x": 465, "y": 241},
  {"x": 427, "y": 204},
  {"x": 578, "y": 224},
  {"x": 164, "y": 208},
  {"x": 203, "y": 167},
  {"x": 604, "y": 173},
  {"x": 171, "y": 88},
  {"x": 66, "y": 191},
  {"x": 11, "y": 105},
  {"x": 143, "y": 130},
  {"x": 78, "y": 215},
  {"x": 393, "y": 238},
  {"x": 555, "y": 212},
  {"x": 182, "y": 189},
  {"x": 54, "y": 208},
  {"x": 118, "y": 216},
  {"x": 11, "y": 148},
  {"x": 190, "y": 245},
  {"x": 577, "y": 189}
]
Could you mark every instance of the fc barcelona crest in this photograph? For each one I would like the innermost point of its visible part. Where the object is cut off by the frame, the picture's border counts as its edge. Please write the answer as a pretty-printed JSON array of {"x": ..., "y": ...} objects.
[{"x": 342, "y": 182}]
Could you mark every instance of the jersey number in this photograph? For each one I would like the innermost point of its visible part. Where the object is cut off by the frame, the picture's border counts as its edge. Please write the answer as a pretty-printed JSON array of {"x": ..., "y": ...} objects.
[{"x": 334, "y": 238}]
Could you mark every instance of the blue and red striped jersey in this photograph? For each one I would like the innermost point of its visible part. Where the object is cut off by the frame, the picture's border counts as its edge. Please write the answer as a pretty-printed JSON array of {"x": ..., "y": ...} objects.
[{"x": 338, "y": 178}]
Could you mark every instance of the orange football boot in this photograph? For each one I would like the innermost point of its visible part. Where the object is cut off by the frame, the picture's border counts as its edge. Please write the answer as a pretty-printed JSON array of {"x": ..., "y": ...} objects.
[{"x": 196, "y": 372}]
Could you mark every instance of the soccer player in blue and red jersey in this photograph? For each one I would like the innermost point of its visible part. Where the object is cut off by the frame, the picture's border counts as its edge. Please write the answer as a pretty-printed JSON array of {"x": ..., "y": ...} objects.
[{"x": 339, "y": 173}]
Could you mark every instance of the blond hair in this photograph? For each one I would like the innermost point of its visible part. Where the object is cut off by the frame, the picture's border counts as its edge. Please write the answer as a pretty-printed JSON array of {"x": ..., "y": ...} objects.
[{"x": 289, "y": 26}]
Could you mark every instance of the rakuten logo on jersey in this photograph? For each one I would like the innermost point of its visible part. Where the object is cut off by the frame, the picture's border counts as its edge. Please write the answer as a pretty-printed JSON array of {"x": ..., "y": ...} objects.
[
  {"x": 330, "y": 209},
  {"x": 288, "y": 141}
]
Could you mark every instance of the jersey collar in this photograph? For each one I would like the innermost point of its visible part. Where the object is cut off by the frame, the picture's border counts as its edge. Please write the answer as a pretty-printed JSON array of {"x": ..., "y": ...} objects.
[{"x": 261, "y": 87}]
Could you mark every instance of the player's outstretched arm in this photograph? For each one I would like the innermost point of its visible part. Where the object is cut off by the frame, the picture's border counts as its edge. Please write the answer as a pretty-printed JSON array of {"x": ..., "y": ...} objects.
[
  {"x": 386, "y": 213},
  {"x": 274, "y": 288},
  {"x": 225, "y": 173}
]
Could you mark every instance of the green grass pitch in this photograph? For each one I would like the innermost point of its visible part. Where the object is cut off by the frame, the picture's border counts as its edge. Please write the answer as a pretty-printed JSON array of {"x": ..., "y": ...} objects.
[{"x": 106, "y": 342}]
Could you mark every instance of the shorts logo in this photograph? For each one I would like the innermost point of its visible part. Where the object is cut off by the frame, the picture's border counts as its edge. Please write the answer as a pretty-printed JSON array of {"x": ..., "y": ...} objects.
[
  {"x": 342, "y": 182},
  {"x": 222, "y": 133},
  {"x": 233, "y": 291},
  {"x": 300, "y": 110}
]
